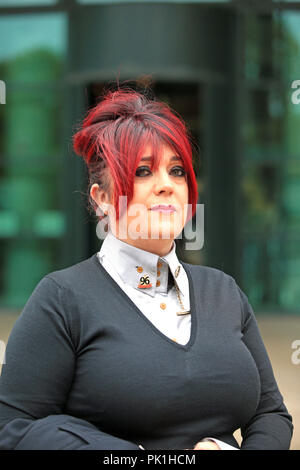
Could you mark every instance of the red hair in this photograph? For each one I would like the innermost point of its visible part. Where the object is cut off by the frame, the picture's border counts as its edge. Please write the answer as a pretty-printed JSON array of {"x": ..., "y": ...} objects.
[{"x": 117, "y": 131}]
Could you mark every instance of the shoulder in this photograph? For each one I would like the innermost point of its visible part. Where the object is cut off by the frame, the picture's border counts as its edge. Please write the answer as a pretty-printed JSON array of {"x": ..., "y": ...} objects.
[
  {"x": 76, "y": 276},
  {"x": 58, "y": 294},
  {"x": 58, "y": 286},
  {"x": 208, "y": 274},
  {"x": 215, "y": 284}
]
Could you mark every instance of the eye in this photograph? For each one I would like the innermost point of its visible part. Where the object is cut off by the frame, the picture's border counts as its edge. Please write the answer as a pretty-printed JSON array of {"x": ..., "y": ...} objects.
[
  {"x": 180, "y": 171},
  {"x": 145, "y": 171},
  {"x": 140, "y": 171}
]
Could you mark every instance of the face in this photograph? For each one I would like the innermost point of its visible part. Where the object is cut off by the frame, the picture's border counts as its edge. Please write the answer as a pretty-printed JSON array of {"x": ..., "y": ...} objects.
[{"x": 158, "y": 211}]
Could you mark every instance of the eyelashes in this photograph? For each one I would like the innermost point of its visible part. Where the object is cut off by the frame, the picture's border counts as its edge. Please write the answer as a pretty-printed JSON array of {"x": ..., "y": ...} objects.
[{"x": 177, "y": 171}]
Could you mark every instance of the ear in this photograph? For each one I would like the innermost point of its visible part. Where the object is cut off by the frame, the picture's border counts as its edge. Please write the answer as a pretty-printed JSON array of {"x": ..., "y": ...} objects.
[{"x": 100, "y": 197}]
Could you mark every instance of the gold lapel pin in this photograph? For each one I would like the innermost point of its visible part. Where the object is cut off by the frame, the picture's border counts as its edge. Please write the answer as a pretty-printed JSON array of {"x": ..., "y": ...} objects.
[{"x": 177, "y": 271}]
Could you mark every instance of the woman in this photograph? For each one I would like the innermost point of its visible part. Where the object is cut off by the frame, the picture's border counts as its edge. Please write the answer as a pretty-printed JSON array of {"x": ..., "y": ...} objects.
[{"x": 131, "y": 348}]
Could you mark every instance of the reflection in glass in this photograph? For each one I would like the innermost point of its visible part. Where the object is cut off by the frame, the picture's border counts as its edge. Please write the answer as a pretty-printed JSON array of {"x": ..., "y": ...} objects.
[
  {"x": 26, "y": 3},
  {"x": 32, "y": 66},
  {"x": 271, "y": 163}
]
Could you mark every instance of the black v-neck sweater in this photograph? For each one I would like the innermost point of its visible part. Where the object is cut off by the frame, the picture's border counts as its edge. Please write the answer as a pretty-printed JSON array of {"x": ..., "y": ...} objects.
[{"x": 85, "y": 369}]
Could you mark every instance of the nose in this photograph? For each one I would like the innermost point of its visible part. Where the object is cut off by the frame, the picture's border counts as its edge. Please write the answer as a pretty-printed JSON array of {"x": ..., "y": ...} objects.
[{"x": 163, "y": 183}]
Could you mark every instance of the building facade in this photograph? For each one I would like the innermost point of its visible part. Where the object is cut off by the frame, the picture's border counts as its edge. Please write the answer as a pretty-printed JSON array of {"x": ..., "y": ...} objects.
[{"x": 230, "y": 68}]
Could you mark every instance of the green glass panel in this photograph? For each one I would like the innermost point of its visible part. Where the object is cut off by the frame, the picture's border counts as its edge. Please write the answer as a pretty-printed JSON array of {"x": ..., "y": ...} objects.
[
  {"x": 9, "y": 224},
  {"x": 271, "y": 163},
  {"x": 32, "y": 221},
  {"x": 26, "y": 3},
  {"x": 107, "y": 2},
  {"x": 49, "y": 224},
  {"x": 27, "y": 33}
]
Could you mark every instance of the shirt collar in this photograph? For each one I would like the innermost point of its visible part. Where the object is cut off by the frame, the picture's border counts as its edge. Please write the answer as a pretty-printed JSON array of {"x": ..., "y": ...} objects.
[{"x": 145, "y": 271}]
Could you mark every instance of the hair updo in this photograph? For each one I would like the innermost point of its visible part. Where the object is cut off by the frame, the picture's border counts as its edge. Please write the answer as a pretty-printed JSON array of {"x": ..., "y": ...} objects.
[{"x": 114, "y": 134}]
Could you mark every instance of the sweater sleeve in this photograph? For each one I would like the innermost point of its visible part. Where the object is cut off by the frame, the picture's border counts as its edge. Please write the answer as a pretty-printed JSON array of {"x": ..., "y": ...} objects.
[
  {"x": 271, "y": 426},
  {"x": 36, "y": 378}
]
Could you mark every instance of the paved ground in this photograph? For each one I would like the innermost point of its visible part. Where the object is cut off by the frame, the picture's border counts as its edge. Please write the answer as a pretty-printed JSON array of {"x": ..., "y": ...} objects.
[{"x": 278, "y": 332}]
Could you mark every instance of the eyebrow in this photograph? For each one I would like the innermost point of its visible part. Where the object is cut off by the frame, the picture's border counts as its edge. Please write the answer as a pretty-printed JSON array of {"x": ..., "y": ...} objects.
[{"x": 173, "y": 158}]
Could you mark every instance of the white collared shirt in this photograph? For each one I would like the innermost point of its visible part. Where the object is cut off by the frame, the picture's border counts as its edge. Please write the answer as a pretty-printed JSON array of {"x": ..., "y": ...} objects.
[{"x": 143, "y": 276}]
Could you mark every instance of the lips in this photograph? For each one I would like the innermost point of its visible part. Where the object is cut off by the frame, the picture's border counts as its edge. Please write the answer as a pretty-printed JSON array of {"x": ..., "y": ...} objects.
[{"x": 163, "y": 208}]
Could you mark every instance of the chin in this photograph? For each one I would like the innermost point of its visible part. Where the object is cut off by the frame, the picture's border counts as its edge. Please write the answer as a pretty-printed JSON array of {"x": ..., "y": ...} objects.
[{"x": 164, "y": 232}]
